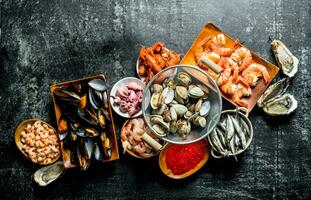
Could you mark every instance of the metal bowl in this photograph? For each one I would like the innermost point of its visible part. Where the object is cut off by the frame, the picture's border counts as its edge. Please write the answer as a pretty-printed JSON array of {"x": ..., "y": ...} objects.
[
  {"x": 217, "y": 154},
  {"x": 198, "y": 77},
  {"x": 122, "y": 83}
]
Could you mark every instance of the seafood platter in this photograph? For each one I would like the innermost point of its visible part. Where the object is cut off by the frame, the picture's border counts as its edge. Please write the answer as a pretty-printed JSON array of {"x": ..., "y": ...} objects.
[{"x": 173, "y": 110}]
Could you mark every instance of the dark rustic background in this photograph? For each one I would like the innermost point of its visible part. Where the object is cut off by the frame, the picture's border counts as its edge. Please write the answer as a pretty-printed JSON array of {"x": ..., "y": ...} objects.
[{"x": 43, "y": 42}]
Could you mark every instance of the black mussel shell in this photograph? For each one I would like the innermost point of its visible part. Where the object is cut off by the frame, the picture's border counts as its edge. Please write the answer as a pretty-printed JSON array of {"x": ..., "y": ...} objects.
[
  {"x": 63, "y": 96},
  {"x": 63, "y": 128},
  {"x": 87, "y": 117}
]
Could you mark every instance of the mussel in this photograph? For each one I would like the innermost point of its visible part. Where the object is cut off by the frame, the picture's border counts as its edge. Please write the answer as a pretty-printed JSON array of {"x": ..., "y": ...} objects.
[
  {"x": 63, "y": 128},
  {"x": 98, "y": 85}
]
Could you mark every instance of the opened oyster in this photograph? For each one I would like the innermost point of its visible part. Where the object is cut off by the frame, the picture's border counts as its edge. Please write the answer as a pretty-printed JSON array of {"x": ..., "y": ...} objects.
[
  {"x": 283, "y": 105},
  {"x": 48, "y": 174},
  {"x": 275, "y": 90},
  {"x": 177, "y": 105},
  {"x": 285, "y": 59}
]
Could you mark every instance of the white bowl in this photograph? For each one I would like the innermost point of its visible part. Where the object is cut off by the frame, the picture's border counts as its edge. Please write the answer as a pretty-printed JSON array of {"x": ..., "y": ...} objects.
[{"x": 119, "y": 84}]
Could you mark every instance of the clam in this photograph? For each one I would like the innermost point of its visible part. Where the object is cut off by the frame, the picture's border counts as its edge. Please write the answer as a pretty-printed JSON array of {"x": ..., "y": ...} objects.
[
  {"x": 195, "y": 92},
  {"x": 275, "y": 90},
  {"x": 205, "y": 108},
  {"x": 188, "y": 114},
  {"x": 173, "y": 126},
  {"x": 183, "y": 79},
  {"x": 184, "y": 128},
  {"x": 173, "y": 113},
  {"x": 181, "y": 93},
  {"x": 156, "y": 88},
  {"x": 159, "y": 125},
  {"x": 154, "y": 102},
  {"x": 200, "y": 121},
  {"x": 167, "y": 116},
  {"x": 167, "y": 95},
  {"x": 48, "y": 174},
  {"x": 285, "y": 59},
  {"x": 198, "y": 105},
  {"x": 180, "y": 109},
  {"x": 168, "y": 82},
  {"x": 283, "y": 105}
]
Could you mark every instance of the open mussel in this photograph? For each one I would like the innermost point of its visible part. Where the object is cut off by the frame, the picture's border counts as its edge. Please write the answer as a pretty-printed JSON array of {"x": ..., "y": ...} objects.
[
  {"x": 48, "y": 174},
  {"x": 102, "y": 147},
  {"x": 66, "y": 97},
  {"x": 63, "y": 128},
  {"x": 98, "y": 85},
  {"x": 87, "y": 117},
  {"x": 87, "y": 132},
  {"x": 285, "y": 59}
]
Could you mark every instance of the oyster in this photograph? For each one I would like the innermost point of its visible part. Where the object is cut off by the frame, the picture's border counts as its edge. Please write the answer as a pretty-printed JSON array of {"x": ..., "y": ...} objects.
[
  {"x": 48, "y": 174},
  {"x": 275, "y": 90},
  {"x": 283, "y": 105},
  {"x": 285, "y": 59}
]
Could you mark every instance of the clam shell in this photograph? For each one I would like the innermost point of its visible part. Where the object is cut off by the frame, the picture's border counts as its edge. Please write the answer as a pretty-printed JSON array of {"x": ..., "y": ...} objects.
[
  {"x": 283, "y": 105},
  {"x": 275, "y": 90},
  {"x": 195, "y": 92},
  {"x": 205, "y": 108},
  {"x": 180, "y": 109},
  {"x": 285, "y": 59}
]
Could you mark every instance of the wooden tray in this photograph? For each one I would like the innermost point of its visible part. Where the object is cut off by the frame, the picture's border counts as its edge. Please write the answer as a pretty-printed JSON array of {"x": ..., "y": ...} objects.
[
  {"x": 58, "y": 112},
  {"x": 210, "y": 30}
]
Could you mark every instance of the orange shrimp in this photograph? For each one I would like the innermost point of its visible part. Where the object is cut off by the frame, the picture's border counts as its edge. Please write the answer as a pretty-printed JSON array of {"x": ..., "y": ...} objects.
[
  {"x": 142, "y": 53},
  {"x": 199, "y": 49},
  {"x": 240, "y": 92},
  {"x": 228, "y": 87},
  {"x": 255, "y": 71},
  {"x": 174, "y": 59},
  {"x": 223, "y": 51},
  {"x": 157, "y": 47},
  {"x": 224, "y": 76},
  {"x": 152, "y": 63},
  {"x": 242, "y": 57}
]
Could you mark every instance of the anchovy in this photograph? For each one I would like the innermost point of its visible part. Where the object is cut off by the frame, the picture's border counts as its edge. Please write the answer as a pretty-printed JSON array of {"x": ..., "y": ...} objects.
[
  {"x": 245, "y": 127},
  {"x": 230, "y": 128},
  {"x": 216, "y": 143},
  {"x": 239, "y": 132},
  {"x": 221, "y": 137}
]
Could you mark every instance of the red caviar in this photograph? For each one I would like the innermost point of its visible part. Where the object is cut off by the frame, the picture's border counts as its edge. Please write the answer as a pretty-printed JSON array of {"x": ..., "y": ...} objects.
[{"x": 182, "y": 158}]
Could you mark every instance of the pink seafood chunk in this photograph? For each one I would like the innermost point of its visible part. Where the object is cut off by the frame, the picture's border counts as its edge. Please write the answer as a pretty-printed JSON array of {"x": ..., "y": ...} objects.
[{"x": 129, "y": 98}]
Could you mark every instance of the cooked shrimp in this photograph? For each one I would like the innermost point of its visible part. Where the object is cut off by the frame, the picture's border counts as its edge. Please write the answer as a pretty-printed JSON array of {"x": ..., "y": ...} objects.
[
  {"x": 224, "y": 77},
  {"x": 242, "y": 57},
  {"x": 228, "y": 87},
  {"x": 199, "y": 49},
  {"x": 255, "y": 71}
]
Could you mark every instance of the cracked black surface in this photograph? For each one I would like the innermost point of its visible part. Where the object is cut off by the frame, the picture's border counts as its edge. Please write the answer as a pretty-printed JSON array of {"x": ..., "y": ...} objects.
[{"x": 43, "y": 42}]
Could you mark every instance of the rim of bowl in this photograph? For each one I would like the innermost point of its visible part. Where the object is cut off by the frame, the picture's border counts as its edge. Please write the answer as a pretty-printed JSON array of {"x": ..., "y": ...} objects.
[
  {"x": 251, "y": 130},
  {"x": 125, "y": 115},
  {"x": 209, "y": 78}
]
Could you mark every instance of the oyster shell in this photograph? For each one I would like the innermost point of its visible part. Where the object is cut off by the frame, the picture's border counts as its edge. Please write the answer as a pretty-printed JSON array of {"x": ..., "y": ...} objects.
[
  {"x": 275, "y": 90},
  {"x": 285, "y": 59},
  {"x": 48, "y": 174},
  {"x": 283, "y": 105}
]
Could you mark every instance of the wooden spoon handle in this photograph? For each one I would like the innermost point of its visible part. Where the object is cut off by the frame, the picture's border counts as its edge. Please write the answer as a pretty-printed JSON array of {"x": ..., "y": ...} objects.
[{"x": 151, "y": 142}]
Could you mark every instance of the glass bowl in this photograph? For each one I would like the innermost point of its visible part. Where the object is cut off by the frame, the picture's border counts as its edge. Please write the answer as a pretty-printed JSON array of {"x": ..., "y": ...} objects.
[{"x": 198, "y": 76}]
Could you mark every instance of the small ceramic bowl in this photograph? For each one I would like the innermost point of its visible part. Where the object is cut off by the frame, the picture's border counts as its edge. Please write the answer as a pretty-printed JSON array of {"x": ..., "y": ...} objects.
[
  {"x": 122, "y": 83},
  {"x": 134, "y": 154},
  {"x": 21, "y": 127}
]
